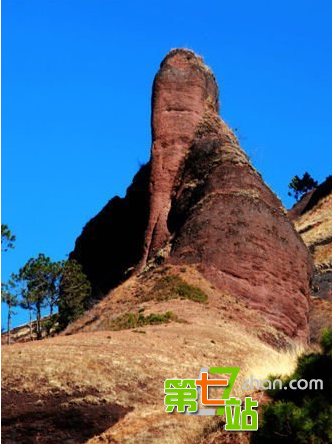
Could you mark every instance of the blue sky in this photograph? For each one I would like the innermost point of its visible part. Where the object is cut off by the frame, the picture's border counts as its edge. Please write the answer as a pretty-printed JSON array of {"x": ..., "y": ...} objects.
[{"x": 76, "y": 87}]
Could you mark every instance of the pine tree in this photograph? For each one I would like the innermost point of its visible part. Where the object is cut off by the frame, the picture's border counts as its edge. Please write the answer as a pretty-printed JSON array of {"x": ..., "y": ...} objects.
[
  {"x": 7, "y": 238},
  {"x": 38, "y": 280},
  {"x": 74, "y": 291},
  {"x": 26, "y": 303},
  {"x": 9, "y": 297},
  {"x": 52, "y": 297},
  {"x": 300, "y": 186}
]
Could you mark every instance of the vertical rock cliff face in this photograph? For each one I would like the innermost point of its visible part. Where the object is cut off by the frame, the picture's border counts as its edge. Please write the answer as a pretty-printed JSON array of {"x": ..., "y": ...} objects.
[
  {"x": 183, "y": 90},
  {"x": 111, "y": 243},
  {"x": 201, "y": 202}
]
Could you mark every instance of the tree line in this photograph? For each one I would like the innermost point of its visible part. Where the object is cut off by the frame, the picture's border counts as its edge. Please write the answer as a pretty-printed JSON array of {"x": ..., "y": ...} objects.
[{"x": 41, "y": 284}]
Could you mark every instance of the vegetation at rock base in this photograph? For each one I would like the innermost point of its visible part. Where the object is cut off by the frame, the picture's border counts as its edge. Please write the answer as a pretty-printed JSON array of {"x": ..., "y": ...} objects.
[
  {"x": 301, "y": 416},
  {"x": 134, "y": 320},
  {"x": 173, "y": 286},
  {"x": 300, "y": 186}
]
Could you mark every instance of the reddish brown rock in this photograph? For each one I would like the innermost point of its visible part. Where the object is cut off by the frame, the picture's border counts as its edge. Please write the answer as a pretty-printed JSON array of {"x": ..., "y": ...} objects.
[
  {"x": 206, "y": 206},
  {"x": 229, "y": 223},
  {"x": 214, "y": 208},
  {"x": 184, "y": 89},
  {"x": 313, "y": 220}
]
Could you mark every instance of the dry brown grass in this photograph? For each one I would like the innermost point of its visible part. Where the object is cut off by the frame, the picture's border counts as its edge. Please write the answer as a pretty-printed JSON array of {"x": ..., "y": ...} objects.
[
  {"x": 320, "y": 318},
  {"x": 323, "y": 256},
  {"x": 315, "y": 227},
  {"x": 148, "y": 292},
  {"x": 129, "y": 369},
  {"x": 281, "y": 365}
]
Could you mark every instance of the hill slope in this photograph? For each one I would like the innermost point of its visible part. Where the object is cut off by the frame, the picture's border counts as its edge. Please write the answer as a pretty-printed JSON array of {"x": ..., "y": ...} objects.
[{"x": 112, "y": 381}]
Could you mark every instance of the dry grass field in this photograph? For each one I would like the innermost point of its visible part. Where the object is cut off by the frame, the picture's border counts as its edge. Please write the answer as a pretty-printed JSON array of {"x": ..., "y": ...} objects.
[{"x": 92, "y": 385}]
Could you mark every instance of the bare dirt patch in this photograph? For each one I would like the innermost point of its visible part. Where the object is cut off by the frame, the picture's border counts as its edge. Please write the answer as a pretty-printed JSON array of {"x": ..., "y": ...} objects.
[{"x": 56, "y": 418}]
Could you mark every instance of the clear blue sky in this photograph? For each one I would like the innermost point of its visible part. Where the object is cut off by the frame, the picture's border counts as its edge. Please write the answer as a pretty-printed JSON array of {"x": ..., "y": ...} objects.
[{"x": 76, "y": 86}]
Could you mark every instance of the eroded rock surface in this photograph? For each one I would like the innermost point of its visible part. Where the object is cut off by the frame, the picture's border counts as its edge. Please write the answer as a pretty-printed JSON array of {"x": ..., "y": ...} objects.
[
  {"x": 184, "y": 89},
  {"x": 201, "y": 202},
  {"x": 313, "y": 220}
]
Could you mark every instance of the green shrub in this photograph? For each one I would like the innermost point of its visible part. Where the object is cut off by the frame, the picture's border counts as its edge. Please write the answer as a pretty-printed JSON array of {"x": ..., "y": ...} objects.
[
  {"x": 301, "y": 416},
  {"x": 190, "y": 292},
  {"x": 326, "y": 342},
  {"x": 134, "y": 320},
  {"x": 50, "y": 324},
  {"x": 172, "y": 287}
]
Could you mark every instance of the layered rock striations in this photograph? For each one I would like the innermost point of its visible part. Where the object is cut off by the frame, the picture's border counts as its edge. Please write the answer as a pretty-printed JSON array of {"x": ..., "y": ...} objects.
[
  {"x": 313, "y": 220},
  {"x": 200, "y": 202}
]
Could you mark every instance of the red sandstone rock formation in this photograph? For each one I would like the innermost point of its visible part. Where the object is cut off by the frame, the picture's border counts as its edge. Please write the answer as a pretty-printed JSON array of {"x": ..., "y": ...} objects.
[
  {"x": 231, "y": 225},
  {"x": 312, "y": 217},
  {"x": 184, "y": 89},
  {"x": 207, "y": 206}
]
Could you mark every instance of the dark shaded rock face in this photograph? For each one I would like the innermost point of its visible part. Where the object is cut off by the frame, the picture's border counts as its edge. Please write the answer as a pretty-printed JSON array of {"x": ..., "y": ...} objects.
[
  {"x": 312, "y": 216},
  {"x": 323, "y": 190},
  {"x": 201, "y": 203},
  {"x": 112, "y": 242},
  {"x": 322, "y": 284}
]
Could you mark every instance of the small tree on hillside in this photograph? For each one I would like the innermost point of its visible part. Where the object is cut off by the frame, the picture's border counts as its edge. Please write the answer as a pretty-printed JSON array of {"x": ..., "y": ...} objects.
[
  {"x": 41, "y": 283},
  {"x": 300, "y": 186},
  {"x": 37, "y": 276},
  {"x": 26, "y": 303},
  {"x": 74, "y": 290},
  {"x": 9, "y": 297},
  {"x": 25, "y": 300},
  {"x": 7, "y": 238},
  {"x": 55, "y": 274}
]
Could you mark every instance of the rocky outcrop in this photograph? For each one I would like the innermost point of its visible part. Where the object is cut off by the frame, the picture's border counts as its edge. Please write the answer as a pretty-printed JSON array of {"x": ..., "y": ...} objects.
[
  {"x": 230, "y": 224},
  {"x": 313, "y": 220},
  {"x": 201, "y": 202},
  {"x": 184, "y": 89}
]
